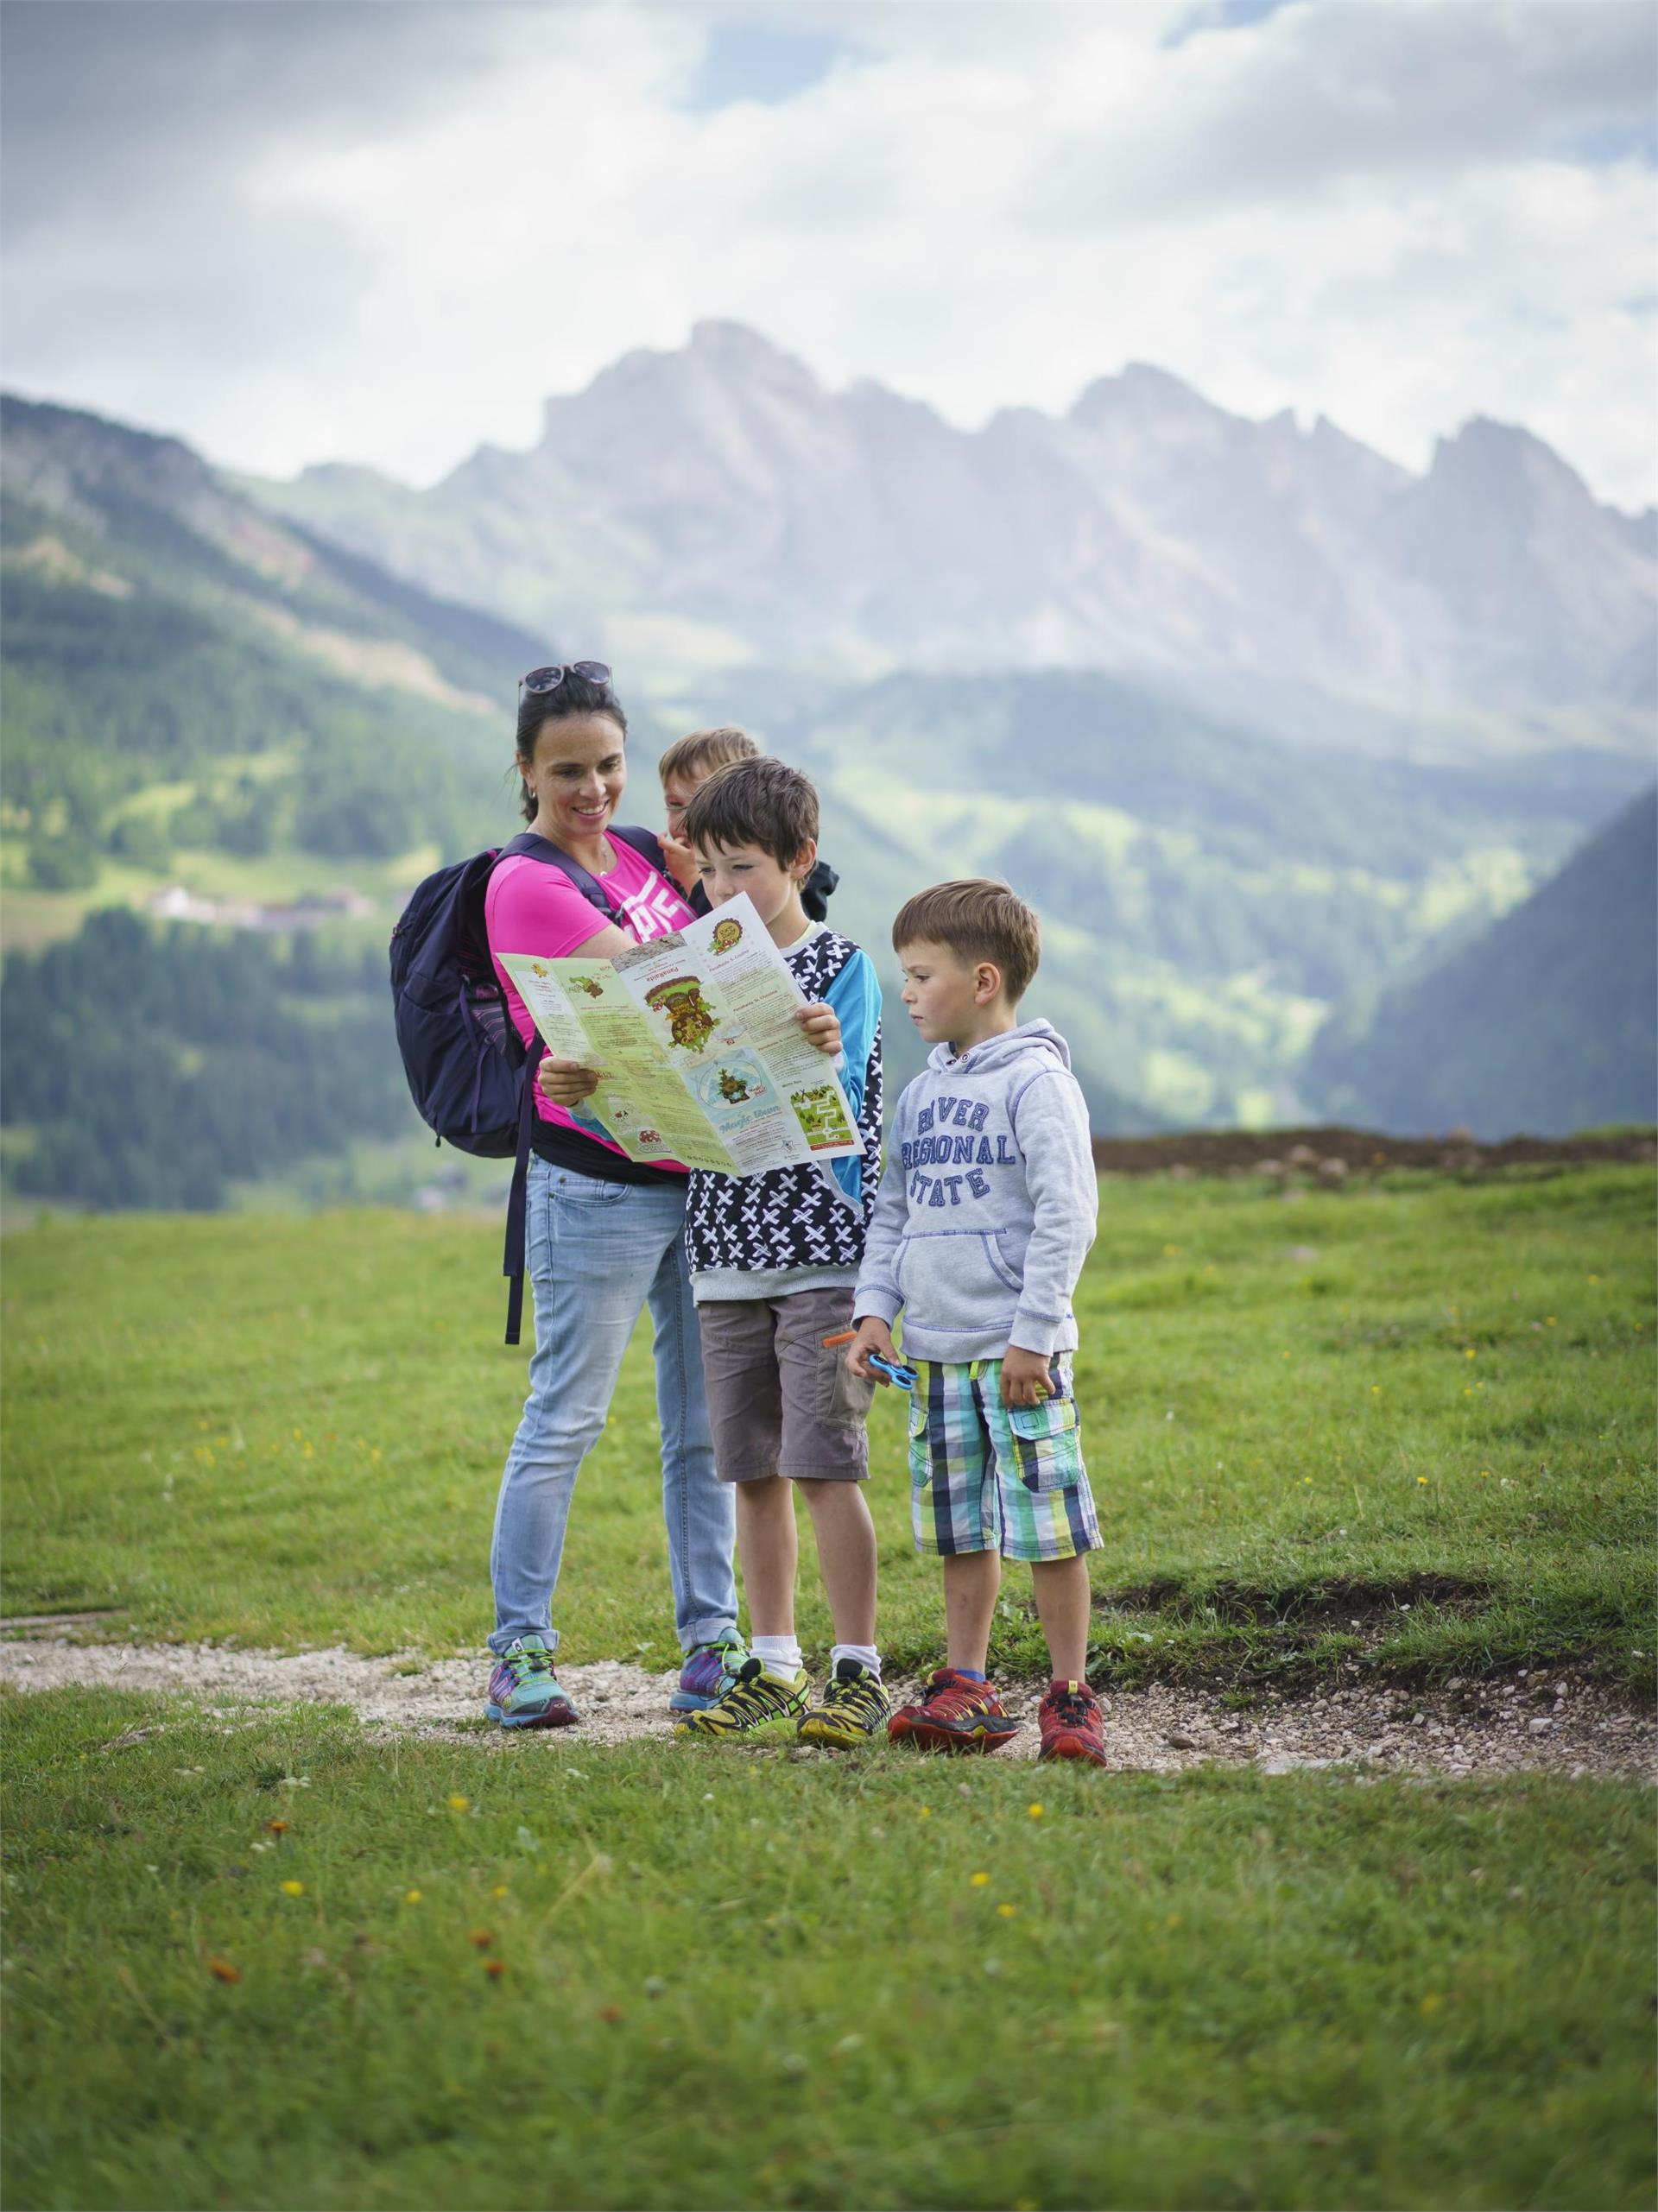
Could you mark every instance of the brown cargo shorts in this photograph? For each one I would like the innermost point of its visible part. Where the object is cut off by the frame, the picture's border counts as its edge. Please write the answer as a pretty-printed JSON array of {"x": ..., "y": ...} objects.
[{"x": 779, "y": 1402}]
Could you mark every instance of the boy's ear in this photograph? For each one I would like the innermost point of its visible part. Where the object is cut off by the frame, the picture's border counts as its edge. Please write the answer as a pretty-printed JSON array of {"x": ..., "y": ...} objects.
[
  {"x": 805, "y": 860},
  {"x": 987, "y": 982}
]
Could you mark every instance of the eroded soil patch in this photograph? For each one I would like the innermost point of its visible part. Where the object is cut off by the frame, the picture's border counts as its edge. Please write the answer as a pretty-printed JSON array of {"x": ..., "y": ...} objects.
[
  {"x": 1247, "y": 1152},
  {"x": 1341, "y": 1603}
]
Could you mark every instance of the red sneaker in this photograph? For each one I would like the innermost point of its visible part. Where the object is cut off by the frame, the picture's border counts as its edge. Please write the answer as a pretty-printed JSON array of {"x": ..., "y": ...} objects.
[
  {"x": 956, "y": 1713},
  {"x": 1070, "y": 1725}
]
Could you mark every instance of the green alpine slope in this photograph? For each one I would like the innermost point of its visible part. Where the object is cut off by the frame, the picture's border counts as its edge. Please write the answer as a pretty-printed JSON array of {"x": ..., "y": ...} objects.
[{"x": 1544, "y": 1024}]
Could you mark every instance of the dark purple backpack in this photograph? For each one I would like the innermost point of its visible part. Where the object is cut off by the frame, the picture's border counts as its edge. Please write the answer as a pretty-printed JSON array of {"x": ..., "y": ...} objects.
[{"x": 471, "y": 1079}]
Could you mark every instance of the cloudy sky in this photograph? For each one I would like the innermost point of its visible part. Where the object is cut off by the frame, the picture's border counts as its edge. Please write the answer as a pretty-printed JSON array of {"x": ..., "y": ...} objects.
[{"x": 385, "y": 232}]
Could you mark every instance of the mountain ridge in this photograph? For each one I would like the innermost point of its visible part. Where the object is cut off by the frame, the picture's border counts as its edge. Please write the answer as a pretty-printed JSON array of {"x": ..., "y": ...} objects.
[{"x": 1145, "y": 530}]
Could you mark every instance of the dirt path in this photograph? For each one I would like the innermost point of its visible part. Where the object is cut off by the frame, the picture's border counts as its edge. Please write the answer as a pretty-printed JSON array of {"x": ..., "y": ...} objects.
[{"x": 1524, "y": 1725}]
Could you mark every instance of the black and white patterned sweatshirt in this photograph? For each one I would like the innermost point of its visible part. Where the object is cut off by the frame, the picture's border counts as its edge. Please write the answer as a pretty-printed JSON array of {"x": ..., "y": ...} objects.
[{"x": 796, "y": 1229}]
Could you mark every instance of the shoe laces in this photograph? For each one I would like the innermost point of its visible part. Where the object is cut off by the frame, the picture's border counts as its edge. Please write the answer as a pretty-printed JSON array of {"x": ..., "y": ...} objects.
[
  {"x": 753, "y": 1691},
  {"x": 730, "y": 1641},
  {"x": 524, "y": 1661},
  {"x": 1074, "y": 1706},
  {"x": 956, "y": 1697},
  {"x": 855, "y": 1688}
]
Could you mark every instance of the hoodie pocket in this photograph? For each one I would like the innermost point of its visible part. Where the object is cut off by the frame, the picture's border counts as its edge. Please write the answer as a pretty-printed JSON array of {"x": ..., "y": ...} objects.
[
  {"x": 1000, "y": 1266},
  {"x": 956, "y": 1285}
]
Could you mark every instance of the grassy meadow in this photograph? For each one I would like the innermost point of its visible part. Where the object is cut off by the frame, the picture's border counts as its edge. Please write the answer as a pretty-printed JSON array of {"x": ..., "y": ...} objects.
[
  {"x": 261, "y": 1959},
  {"x": 1299, "y": 1415}
]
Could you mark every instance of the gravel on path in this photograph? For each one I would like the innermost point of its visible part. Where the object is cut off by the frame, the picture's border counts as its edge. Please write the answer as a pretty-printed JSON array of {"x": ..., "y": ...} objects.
[{"x": 1516, "y": 1723}]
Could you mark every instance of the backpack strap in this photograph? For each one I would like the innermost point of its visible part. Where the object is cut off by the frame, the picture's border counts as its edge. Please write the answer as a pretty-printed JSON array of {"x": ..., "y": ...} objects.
[
  {"x": 648, "y": 846},
  {"x": 530, "y": 846},
  {"x": 512, "y": 1257}
]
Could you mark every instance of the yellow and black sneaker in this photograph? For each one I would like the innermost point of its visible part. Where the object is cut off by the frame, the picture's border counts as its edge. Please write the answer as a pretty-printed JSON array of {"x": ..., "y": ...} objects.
[
  {"x": 758, "y": 1706},
  {"x": 853, "y": 1710}
]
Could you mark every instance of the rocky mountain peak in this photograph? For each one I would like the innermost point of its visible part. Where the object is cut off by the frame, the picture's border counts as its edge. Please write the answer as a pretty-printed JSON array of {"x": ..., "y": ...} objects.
[
  {"x": 720, "y": 484},
  {"x": 1140, "y": 391},
  {"x": 1491, "y": 460}
]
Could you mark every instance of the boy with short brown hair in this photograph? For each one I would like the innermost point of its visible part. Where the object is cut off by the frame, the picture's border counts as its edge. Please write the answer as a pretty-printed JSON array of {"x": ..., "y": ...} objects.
[
  {"x": 984, "y": 1217},
  {"x": 774, "y": 1258}
]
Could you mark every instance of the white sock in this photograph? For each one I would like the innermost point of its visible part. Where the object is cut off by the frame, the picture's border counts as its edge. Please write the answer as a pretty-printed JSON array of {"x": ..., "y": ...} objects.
[
  {"x": 777, "y": 1654},
  {"x": 866, "y": 1655}
]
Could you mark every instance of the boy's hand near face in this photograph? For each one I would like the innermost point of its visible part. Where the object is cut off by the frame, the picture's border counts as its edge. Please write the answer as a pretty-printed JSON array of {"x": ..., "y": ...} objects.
[
  {"x": 1025, "y": 1378},
  {"x": 873, "y": 1335},
  {"x": 681, "y": 862},
  {"x": 822, "y": 1027}
]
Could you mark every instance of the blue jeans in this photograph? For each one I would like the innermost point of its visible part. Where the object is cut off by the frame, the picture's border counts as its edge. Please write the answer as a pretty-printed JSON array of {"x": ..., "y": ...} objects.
[{"x": 598, "y": 1253}]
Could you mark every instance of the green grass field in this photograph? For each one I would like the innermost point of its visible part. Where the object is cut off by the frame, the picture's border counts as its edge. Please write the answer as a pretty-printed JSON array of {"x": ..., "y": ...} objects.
[
  {"x": 290, "y": 1432},
  {"x": 753, "y": 1982},
  {"x": 746, "y": 1979}
]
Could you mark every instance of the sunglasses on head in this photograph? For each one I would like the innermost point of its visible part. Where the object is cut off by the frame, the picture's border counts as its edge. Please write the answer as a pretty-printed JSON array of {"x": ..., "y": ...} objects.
[{"x": 549, "y": 680}]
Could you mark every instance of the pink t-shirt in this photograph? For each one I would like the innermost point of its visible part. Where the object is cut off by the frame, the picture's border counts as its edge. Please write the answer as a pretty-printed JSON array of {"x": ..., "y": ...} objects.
[{"x": 532, "y": 908}]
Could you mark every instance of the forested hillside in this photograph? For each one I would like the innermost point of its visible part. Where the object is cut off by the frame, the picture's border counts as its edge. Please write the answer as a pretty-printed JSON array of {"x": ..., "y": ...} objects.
[
  {"x": 198, "y": 696},
  {"x": 1209, "y": 896},
  {"x": 1546, "y": 1023},
  {"x": 152, "y": 1067},
  {"x": 185, "y": 676}
]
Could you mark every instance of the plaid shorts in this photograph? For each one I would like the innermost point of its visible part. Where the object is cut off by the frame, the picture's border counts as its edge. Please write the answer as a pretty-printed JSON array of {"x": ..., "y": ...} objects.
[{"x": 989, "y": 1477}]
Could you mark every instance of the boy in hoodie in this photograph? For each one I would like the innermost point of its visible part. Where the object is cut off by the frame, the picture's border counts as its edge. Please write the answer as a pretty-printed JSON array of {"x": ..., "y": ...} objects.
[{"x": 984, "y": 1215}]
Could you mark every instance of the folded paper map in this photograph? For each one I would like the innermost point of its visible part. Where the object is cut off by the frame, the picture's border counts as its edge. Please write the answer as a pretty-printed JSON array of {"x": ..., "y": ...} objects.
[{"x": 700, "y": 1056}]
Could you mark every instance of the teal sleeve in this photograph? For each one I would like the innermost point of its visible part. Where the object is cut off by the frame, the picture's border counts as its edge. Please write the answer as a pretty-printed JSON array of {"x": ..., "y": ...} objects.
[{"x": 855, "y": 995}]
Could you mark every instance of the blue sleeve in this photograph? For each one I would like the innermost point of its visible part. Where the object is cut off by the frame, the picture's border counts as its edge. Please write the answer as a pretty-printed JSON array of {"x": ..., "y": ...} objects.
[{"x": 855, "y": 995}]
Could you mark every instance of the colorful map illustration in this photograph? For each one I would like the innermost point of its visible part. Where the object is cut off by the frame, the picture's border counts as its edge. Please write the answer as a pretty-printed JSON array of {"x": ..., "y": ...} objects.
[
  {"x": 690, "y": 1018},
  {"x": 821, "y": 1115},
  {"x": 734, "y": 1083}
]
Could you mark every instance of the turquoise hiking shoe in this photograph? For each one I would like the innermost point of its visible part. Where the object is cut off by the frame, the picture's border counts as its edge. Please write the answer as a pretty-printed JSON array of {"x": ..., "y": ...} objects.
[
  {"x": 524, "y": 1691},
  {"x": 708, "y": 1673}
]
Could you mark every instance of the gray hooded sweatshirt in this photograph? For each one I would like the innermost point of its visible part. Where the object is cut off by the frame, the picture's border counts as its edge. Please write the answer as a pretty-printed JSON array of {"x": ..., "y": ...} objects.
[{"x": 987, "y": 1204}]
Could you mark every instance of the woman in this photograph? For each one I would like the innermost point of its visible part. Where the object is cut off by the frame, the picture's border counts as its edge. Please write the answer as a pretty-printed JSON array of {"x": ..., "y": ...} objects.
[{"x": 605, "y": 1235}]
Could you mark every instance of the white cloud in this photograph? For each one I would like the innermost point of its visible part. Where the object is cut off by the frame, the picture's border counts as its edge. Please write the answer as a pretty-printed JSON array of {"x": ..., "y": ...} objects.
[
  {"x": 1355, "y": 206},
  {"x": 1381, "y": 91}
]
